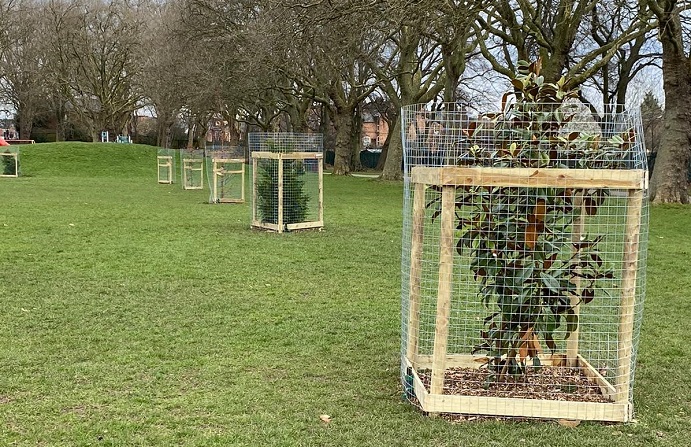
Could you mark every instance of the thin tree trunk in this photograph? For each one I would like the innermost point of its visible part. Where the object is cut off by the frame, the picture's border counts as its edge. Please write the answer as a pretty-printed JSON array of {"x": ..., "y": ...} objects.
[{"x": 356, "y": 144}]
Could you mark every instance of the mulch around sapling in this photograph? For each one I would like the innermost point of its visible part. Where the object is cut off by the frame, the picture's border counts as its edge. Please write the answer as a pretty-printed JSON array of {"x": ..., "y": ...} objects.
[{"x": 548, "y": 383}]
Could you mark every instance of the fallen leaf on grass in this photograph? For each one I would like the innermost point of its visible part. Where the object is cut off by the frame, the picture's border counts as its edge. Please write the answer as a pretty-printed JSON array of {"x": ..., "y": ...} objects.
[
  {"x": 325, "y": 418},
  {"x": 571, "y": 423}
]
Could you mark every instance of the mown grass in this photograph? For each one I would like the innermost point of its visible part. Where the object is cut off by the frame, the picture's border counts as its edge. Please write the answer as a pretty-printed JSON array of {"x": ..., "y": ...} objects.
[{"x": 136, "y": 314}]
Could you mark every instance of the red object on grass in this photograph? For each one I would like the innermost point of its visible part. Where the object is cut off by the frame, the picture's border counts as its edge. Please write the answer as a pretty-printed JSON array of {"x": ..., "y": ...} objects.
[{"x": 3, "y": 142}]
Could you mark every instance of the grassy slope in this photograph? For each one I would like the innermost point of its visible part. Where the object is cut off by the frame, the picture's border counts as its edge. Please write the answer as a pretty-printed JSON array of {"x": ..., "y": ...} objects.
[{"x": 136, "y": 314}]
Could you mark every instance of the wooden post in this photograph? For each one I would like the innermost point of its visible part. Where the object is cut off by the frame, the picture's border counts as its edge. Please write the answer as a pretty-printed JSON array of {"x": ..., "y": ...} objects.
[
  {"x": 628, "y": 295},
  {"x": 441, "y": 325},
  {"x": 415, "y": 273},
  {"x": 577, "y": 232},
  {"x": 280, "y": 195},
  {"x": 215, "y": 173},
  {"x": 320, "y": 170},
  {"x": 254, "y": 189},
  {"x": 242, "y": 180}
]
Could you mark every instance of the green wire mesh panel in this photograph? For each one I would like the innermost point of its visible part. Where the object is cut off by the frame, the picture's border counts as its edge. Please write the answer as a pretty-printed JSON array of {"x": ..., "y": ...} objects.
[
  {"x": 287, "y": 181},
  {"x": 523, "y": 260}
]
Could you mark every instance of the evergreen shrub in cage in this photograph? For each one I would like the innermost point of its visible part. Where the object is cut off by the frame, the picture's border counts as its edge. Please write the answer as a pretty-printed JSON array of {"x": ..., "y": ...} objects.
[
  {"x": 166, "y": 165},
  {"x": 523, "y": 267},
  {"x": 192, "y": 168},
  {"x": 9, "y": 161},
  {"x": 287, "y": 181},
  {"x": 226, "y": 174}
]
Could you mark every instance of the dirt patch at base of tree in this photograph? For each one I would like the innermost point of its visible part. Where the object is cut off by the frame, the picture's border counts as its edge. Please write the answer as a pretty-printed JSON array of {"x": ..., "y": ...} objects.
[{"x": 548, "y": 383}]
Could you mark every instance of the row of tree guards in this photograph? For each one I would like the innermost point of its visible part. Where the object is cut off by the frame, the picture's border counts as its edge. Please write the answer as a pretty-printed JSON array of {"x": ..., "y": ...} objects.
[
  {"x": 286, "y": 178},
  {"x": 524, "y": 248},
  {"x": 524, "y": 251}
]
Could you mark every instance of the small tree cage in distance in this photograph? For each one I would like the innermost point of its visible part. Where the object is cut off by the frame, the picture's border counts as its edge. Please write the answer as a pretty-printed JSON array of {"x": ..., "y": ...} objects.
[
  {"x": 523, "y": 265},
  {"x": 226, "y": 173},
  {"x": 166, "y": 166},
  {"x": 287, "y": 181},
  {"x": 9, "y": 161},
  {"x": 192, "y": 168}
]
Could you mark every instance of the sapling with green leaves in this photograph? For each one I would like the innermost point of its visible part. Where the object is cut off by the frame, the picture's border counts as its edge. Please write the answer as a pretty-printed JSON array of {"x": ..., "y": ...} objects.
[{"x": 530, "y": 270}]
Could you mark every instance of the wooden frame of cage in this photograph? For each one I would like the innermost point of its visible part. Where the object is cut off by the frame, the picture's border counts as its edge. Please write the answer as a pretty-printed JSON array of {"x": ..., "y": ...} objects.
[
  {"x": 190, "y": 165},
  {"x": 447, "y": 179},
  {"x": 16, "y": 164},
  {"x": 165, "y": 163},
  {"x": 217, "y": 171},
  {"x": 279, "y": 226}
]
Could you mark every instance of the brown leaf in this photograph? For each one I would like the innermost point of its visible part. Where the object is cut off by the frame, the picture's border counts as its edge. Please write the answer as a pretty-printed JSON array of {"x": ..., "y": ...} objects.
[
  {"x": 531, "y": 236},
  {"x": 540, "y": 210},
  {"x": 523, "y": 351},
  {"x": 571, "y": 423},
  {"x": 505, "y": 99},
  {"x": 325, "y": 418}
]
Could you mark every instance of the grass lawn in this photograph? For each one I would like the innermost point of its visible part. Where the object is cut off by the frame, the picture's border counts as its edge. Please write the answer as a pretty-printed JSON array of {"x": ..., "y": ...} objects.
[{"x": 136, "y": 314}]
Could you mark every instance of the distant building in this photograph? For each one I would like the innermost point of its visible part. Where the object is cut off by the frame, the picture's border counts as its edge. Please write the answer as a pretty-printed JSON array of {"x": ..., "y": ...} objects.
[{"x": 375, "y": 130}]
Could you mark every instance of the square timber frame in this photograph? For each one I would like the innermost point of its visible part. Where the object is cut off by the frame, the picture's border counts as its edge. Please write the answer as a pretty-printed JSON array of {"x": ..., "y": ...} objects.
[
  {"x": 281, "y": 158},
  {"x": 190, "y": 167},
  {"x": 165, "y": 169},
  {"x": 14, "y": 156},
  {"x": 219, "y": 173},
  {"x": 632, "y": 183}
]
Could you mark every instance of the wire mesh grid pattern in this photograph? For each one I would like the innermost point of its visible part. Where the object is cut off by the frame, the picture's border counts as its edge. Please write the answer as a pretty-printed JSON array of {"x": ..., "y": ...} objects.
[
  {"x": 9, "y": 162},
  {"x": 165, "y": 159},
  {"x": 523, "y": 260},
  {"x": 192, "y": 168},
  {"x": 287, "y": 181},
  {"x": 225, "y": 171}
]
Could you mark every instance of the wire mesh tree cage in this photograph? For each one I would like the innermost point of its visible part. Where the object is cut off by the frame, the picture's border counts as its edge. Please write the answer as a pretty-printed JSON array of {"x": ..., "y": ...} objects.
[
  {"x": 287, "y": 181},
  {"x": 192, "y": 168},
  {"x": 523, "y": 264},
  {"x": 225, "y": 171},
  {"x": 165, "y": 159},
  {"x": 9, "y": 161}
]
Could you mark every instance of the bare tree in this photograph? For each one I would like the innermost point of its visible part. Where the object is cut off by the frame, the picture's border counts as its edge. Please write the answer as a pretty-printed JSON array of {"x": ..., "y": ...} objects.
[
  {"x": 101, "y": 62},
  {"x": 609, "y": 20},
  {"x": 164, "y": 60},
  {"x": 22, "y": 62},
  {"x": 428, "y": 46},
  {"x": 557, "y": 31}
]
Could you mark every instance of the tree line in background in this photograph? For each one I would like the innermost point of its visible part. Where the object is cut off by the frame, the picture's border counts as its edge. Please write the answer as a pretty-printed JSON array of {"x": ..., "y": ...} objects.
[{"x": 299, "y": 65}]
